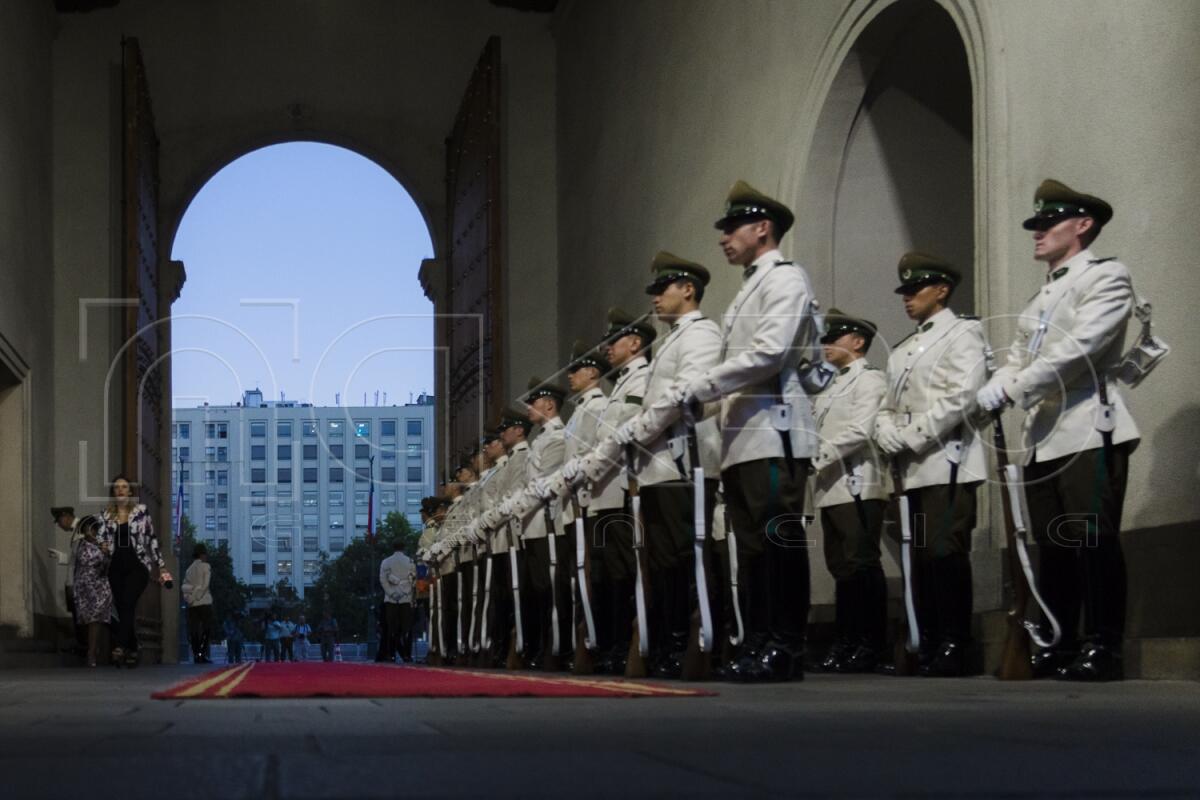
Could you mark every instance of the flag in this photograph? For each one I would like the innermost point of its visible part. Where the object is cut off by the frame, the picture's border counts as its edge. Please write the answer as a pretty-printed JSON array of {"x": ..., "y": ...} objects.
[{"x": 371, "y": 507}]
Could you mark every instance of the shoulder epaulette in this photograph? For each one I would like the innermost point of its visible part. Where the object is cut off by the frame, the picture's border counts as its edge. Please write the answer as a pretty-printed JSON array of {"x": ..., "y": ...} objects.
[
  {"x": 633, "y": 399},
  {"x": 968, "y": 316},
  {"x": 1102, "y": 260}
]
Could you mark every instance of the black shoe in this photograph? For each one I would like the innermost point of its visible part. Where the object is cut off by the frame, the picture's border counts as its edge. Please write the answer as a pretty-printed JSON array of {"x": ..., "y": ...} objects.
[
  {"x": 776, "y": 662},
  {"x": 669, "y": 666},
  {"x": 1095, "y": 663},
  {"x": 741, "y": 663},
  {"x": 949, "y": 661},
  {"x": 1047, "y": 663},
  {"x": 833, "y": 659},
  {"x": 863, "y": 659}
]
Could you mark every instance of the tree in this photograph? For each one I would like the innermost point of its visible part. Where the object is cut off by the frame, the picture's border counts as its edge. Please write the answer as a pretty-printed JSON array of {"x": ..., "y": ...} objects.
[
  {"x": 345, "y": 584},
  {"x": 229, "y": 594}
]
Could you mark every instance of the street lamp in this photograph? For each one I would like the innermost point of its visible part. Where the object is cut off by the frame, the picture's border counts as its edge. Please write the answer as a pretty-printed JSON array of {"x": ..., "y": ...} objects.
[{"x": 372, "y": 638}]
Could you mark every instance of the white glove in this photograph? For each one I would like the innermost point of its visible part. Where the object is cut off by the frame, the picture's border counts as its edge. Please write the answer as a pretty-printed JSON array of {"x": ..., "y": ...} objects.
[
  {"x": 542, "y": 487},
  {"x": 480, "y": 536},
  {"x": 571, "y": 469},
  {"x": 992, "y": 397},
  {"x": 506, "y": 507},
  {"x": 702, "y": 390},
  {"x": 678, "y": 395},
  {"x": 891, "y": 442},
  {"x": 624, "y": 435}
]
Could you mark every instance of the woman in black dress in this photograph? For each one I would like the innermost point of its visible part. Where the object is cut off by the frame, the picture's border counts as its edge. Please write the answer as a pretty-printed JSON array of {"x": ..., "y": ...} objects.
[{"x": 128, "y": 531}]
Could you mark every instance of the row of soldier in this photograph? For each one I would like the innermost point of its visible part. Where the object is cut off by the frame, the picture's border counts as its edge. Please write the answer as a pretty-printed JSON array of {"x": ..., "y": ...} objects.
[{"x": 662, "y": 530}]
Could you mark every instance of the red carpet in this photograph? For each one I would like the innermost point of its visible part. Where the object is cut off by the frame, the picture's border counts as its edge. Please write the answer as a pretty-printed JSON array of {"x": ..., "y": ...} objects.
[{"x": 324, "y": 679}]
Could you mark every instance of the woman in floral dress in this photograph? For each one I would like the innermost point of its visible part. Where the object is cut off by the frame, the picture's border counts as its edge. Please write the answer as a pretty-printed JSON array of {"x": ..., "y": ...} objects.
[{"x": 93, "y": 594}]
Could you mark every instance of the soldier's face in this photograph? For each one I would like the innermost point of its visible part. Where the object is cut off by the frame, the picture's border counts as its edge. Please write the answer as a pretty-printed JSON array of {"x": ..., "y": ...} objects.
[
  {"x": 741, "y": 243},
  {"x": 842, "y": 350},
  {"x": 542, "y": 409},
  {"x": 924, "y": 302},
  {"x": 65, "y": 521},
  {"x": 494, "y": 450},
  {"x": 580, "y": 379},
  {"x": 669, "y": 304},
  {"x": 511, "y": 435},
  {"x": 624, "y": 349},
  {"x": 1055, "y": 244}
]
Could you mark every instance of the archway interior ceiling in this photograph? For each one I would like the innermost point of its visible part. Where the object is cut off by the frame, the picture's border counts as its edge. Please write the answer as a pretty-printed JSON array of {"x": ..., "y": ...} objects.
[{"x": 906, "y": 179}]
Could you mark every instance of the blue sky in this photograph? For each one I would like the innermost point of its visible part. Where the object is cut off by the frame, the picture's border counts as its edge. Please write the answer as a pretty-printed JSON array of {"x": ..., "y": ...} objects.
[{"x": 296, "y": 251}]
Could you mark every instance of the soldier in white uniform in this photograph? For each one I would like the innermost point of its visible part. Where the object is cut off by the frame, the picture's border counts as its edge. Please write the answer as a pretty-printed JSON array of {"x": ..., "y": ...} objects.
[
  {"x": 491, "y": 595},
  {"x": 610, "y": 529},
  {"x": 851, "y": 493},
  {"x": 692, "y": 346},
  {"x": 537, "y": 508},
  {"x": 513, "y": 429},
  {"x": 933, "y": 376},
  {"x": 1078, "y": 432},
  {"x": 770, "y": 338}
]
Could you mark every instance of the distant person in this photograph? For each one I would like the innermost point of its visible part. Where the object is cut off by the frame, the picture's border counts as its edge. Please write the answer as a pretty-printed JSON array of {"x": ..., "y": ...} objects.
[
  {"x": 271, "y": 635},
  {"x": 126, "y": 527},
  {"x": 304, "y": 632},
  {"x": 328, "y": 631},
  {"x": 287, "y": 637},
  {"x": 89, "y": 595},
  {"x": 234, "y": 638},
  {"x": 199, "y": 600},
  {"x": 396, "y": 576}
]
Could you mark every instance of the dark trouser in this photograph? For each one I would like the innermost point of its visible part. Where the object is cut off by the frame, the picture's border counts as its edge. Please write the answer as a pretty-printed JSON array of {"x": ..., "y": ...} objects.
[
  {"x": 942, "y": 518},
  {"x": 613, "y": 575},
  {"x": 397, "y": 619},
  {"x": 852, "y": 554},
  {"x": 500, "y": 607},
  {"x": 448, "y": 613},
  {"x": 1075, "y": 506},
  {"x": 547, "y": 599},
  {"x": 327, "y": 645},
  {"x": 466, "y": 578},
  {"x": 199, "y": 622},
  {"x": 286, "y": 653},
  {"x": 128, "y": 581},
  {"x": 668, "y": 514},
  {"x": 765, "y": 499},
  {"x": 233, "y": 651}
]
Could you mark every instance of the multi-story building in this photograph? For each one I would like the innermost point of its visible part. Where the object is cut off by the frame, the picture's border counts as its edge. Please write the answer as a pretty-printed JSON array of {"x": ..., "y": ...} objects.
[{"x": 282, "y": 482}]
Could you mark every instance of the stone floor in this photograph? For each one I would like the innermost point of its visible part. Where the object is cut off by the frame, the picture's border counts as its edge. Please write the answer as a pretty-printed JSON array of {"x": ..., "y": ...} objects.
[{"x": 81, "y": 734}]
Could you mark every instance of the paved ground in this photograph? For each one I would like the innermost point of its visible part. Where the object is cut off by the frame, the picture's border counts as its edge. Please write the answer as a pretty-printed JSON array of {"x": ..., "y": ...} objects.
[{"x": 82, "y": 734}]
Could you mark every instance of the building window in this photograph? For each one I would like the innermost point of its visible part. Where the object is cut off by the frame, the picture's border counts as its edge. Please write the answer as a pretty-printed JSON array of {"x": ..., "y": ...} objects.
[
  {"x": 185, "y": 475},
  {"x": 335, "y": 428},
  {"x": 414, "y": 451},
  {"x": 223, "y": 453},
  {"x": 311, "y": 544},
  {"x": 336, "y": 498},
  {"x": 362, "y": 451},
  {"x": 210, "y": 453},
  {"x": 222, "y": 543},
  {"x": 185, "y": 454},
  {"x": 389, "y": 453},
  {"x": 222, "y": 430},
  {"x": 310, "y": 475},
  {"x": 337, "y": 544},
  {"x": 210, "y": 430},
  {"x": 308, "y": 429},
  {"x": 258, "y": 475},
  {"x": 336, "y": 451},
  {"x": 185, "y": 430},
  {"x": 309, "y": 500},
  {"x": 360, "y": 520},
  {"x": 283, "y": 452},
  {"x": 210, "y": 523},
  {"x": 222, "y": 477},
  {"x": 360, "y": 498},
  {"x": 258, "y": 429},
  {"x": 413, "y": 427},
  {"x": 223, "y": 500},
  {"x": 285, "y": 474},
  {"x": 258, "y": 452},
  {"x": 362, "y": 429},
  {"x": 210, "y": 477},
  {"x": 283, "y": 568},
  {"x": 387, "y": 474},
  {"x": 414, "y": 474},
  {"x": 387, "y": 498},
  {"x": 362, "y": 474},
  {"x": 258, "y": 498},
  {"x": 283, "y": 544},
  {"x": 387, "y": 427},
  {"x": 311, "y": 520},
  {"x": 223, "y": 523},
  {"x": 210, "y": 500},
  {"x": 337, "y": 521},
  {"x": 258, "y": 568},
  {"x": 337, "y": 475},
  {"x": 283, "y": 429},
  {"x": 310, "y": 452},
  {"x": 413, "y": 497}
]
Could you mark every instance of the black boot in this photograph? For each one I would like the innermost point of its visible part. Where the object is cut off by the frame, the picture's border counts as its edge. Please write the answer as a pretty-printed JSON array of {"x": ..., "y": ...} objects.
[
  {"x": 780, "y": 659},
  {"x": 1095, "y": 663},
  {"x": 842, "y": 644},
  {"x": 866, "y": 653},
  {"x": 952, "y": 576}
]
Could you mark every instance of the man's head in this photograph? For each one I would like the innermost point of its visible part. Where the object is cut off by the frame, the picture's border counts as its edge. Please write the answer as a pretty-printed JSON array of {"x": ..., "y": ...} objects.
[
  {"x": 200, "y": 552},
  {"x": 397, "y": 547},
  {"x": 1064, "y": 221},
  {"x": 627, "y": 338},
  {"x": 514, "y": 427},
  {"x": 543, "y": 399},
  {"x": 64, "y": 517},
  {"x": 493, "y": 448},
  {"x": 926, "y": 284},
  {"x": 676, "y": 286},
  {"x": 588, "y": 365},
  {"x": 753, "y": 224},
  {"x": 846, "y": 338}
]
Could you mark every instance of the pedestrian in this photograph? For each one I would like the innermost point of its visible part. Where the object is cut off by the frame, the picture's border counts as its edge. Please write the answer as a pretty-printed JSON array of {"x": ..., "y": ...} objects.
[
  {"x": 287, "y": 638},
  {"x": 272, "y": 631},
  {"x": 1078, "y": 432},
  {"x": 924, "y": 427},
  {"x": 303, "y": 633},
  {"x": 89, "y": 592},
  {"x": 199, "y": 600},
  {"x": 396, "y": 576},
  {"x": 126, "y": 527},
  {"x": 761, "y": 383},
  {"x": 328, "y": 631},
  {"x": 234, "y": 638},
  {"x": 849, "y": 492}
]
